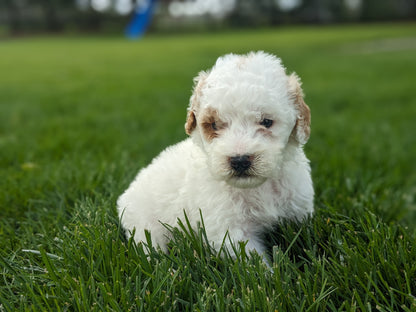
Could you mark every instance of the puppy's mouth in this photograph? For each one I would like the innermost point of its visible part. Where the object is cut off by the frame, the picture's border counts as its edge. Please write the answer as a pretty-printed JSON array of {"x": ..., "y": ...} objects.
[
  {"x": 241, "y": 175},
  {"x": 245, "y": 181}
]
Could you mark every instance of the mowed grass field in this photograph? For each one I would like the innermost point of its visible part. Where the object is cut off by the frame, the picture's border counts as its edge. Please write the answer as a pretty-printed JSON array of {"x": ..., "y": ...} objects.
[{"x": 80, "y": 116}]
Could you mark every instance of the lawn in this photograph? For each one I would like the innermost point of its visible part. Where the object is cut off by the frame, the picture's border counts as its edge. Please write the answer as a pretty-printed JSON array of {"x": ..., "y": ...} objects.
[{"x": 80, "y": 116}]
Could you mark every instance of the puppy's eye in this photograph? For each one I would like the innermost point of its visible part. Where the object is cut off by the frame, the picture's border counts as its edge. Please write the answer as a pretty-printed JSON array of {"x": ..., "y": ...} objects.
[
  {"x": 214, "y": 126},
  {"x": 267, "y": 123}
]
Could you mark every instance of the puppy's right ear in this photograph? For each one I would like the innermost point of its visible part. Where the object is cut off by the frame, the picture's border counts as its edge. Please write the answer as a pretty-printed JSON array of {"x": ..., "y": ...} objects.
[
  {"x": 194, "y": 103},
  {"x": 190, "y": 124}
]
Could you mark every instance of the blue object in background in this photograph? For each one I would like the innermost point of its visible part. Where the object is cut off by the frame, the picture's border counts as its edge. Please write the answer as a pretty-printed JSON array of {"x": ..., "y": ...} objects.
[{"x": 141, "y": 19}]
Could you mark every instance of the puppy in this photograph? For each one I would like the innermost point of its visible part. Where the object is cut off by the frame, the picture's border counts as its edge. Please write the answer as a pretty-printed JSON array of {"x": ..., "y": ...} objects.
[{"x": 243, "y": 166}]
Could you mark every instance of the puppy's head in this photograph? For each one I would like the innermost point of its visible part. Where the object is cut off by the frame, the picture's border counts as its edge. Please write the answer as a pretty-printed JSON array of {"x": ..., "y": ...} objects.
[{"x": 244, "y": 113}]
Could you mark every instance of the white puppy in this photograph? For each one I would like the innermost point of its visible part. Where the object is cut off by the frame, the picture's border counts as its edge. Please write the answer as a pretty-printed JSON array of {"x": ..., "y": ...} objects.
[{"x": 243, "y": 166}]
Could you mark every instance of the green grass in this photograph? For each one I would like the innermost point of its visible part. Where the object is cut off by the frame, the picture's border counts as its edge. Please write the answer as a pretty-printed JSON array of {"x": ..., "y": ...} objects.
[{"x": 80, "y": 116}]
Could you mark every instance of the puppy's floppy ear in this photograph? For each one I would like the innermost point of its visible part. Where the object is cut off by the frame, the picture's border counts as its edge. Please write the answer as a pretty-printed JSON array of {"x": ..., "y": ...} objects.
[
  {"x": 190, "y": 124},
  {"x": 194, "y": 104},
  {"x": 302, "y": 128}
]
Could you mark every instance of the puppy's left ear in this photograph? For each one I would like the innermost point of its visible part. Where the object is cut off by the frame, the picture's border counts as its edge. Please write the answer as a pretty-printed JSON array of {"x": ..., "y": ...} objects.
[
  {"x": 302, "y": 128},
  {"x": 194, "y": 103}
]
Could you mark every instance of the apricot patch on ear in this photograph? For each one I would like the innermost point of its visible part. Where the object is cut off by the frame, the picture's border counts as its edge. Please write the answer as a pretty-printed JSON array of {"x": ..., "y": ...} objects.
[
  {"x": 302, "y": 128},
  {"x": 190, "y": 124}
]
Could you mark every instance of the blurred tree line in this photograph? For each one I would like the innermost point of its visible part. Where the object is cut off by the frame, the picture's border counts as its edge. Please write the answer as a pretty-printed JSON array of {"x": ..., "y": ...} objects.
[
  {"x": 327, "y": 11},
  {"x": 34, "y": 16}
]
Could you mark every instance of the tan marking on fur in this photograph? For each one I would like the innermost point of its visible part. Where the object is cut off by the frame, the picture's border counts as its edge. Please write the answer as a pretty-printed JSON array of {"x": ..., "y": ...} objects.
[
  {"x": 210, "y": 116},
  {"x": 199, "y": 82},
  {"x": 304, "y": 119},
  {"x": 302, "y": 129},
  {"x": 190, "y": 124}
]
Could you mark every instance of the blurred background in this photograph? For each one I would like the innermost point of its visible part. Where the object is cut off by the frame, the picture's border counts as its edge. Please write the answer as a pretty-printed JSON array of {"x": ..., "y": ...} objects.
[{"x": 28, "y": 17}]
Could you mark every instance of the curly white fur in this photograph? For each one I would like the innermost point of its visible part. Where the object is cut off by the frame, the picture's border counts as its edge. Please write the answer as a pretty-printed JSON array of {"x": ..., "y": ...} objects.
[{"x": 247, "y": 110}]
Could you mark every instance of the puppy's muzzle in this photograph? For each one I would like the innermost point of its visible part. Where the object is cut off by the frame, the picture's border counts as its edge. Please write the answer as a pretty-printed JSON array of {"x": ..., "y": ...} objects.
[{"x": 241, "y": 164}]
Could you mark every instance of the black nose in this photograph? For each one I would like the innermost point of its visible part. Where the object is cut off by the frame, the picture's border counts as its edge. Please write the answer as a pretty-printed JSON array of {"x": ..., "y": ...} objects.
[{"x": 240, "y": 163}]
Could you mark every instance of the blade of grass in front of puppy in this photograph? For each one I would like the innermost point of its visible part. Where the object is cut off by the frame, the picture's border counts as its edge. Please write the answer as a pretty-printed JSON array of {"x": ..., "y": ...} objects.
[
  {"x": 189, "y": 233},
  {"x": 280, "y": 259},
  {"x": 223, "y": 249},
  {"x": 204, "y": 236}
]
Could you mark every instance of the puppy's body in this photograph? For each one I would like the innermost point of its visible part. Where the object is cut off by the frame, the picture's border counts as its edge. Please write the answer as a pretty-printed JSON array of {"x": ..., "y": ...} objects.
[{"x": 243, "y": 166}]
